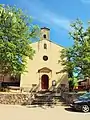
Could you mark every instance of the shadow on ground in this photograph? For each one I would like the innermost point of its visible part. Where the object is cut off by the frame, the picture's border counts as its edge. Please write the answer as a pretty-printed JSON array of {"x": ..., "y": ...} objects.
[
  {"x": 72, "y": 110},
  {"x": 40, "y": 106},
  {"x": 62, "y": 102}
]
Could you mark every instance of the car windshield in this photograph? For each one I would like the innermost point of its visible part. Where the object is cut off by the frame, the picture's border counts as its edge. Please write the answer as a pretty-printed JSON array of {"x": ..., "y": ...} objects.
[{"x": 86, "y": 95}]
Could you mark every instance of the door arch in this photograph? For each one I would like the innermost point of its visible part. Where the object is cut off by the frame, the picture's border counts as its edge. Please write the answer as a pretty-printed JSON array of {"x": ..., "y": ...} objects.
[{"x": 45, "y": 82}]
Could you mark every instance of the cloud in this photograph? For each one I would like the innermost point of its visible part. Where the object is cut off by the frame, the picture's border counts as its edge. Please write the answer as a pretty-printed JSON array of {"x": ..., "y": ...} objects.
[
  {"x": 55, "y": 20},
  {"x": 40, "y": 12},
  {"x": 85, "y": 1}
]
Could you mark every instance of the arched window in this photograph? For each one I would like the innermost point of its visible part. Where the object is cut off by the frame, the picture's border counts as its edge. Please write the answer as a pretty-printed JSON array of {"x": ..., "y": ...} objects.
[
  {"x": 45, "y": 46},
  {"x": 44, "y": 36}
]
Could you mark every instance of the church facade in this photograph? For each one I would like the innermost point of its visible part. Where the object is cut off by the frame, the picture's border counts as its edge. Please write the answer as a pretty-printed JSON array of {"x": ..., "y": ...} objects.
[{"x": 44, "y": 69}]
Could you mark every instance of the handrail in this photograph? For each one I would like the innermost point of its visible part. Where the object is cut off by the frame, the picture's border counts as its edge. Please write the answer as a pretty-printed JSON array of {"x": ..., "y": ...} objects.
[
  {"x": 58, "y": 81},
  {"x": 37, "y": 87}
]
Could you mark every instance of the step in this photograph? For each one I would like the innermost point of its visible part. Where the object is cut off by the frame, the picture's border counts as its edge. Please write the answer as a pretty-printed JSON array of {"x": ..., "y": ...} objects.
[{"x": 42, "y": 103}]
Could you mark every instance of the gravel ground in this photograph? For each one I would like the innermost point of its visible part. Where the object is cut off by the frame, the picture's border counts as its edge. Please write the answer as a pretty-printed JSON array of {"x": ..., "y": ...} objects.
[{"x": 15, "y": 112}]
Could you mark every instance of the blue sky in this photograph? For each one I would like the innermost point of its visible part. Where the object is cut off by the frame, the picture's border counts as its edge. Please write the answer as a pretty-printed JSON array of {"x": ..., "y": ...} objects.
[{"x": 55, "y": 14}]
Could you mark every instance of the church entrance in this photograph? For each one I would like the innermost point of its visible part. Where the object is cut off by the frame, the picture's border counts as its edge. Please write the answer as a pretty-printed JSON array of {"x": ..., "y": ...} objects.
[{"x": 45, "y": 82}]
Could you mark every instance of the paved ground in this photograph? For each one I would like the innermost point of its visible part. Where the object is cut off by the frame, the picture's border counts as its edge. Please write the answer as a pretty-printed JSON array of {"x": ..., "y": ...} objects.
[{"x": 10, "y": 112}]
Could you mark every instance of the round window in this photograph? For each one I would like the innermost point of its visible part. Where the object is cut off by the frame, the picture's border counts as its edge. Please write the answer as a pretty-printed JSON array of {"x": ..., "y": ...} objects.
[{"x": 45, "y": 58}]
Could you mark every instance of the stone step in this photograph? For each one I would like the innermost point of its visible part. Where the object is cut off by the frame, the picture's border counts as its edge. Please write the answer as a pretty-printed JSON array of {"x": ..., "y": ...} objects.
[
  {"x": 48, "y": 94},
  {"x": 46, "y": 103}
]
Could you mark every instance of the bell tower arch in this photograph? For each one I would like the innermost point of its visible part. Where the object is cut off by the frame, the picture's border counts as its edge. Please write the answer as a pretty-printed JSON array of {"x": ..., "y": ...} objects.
[{"x": 45, "y": 33}]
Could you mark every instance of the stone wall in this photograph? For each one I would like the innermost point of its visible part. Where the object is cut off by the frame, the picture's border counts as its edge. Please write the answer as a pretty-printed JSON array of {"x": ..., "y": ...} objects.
[
  {"x": 25, "y": 98},
  {"x": 15, "y": 98},
  {"x": 70, "y": 96}
]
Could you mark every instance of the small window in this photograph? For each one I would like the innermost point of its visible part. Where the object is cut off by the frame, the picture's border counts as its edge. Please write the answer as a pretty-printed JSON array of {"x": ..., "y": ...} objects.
[
  {"x": 45, "y": 46},
  {"x": 44, "y": 36}
]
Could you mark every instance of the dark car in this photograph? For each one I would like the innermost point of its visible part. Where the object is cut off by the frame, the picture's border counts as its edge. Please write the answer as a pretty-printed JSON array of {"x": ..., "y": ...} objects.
[{"x": 82, "y": 103}]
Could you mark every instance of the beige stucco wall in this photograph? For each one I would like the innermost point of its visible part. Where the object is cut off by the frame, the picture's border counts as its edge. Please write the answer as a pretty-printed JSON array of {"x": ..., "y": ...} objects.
[{"x": 53, "y": 53}]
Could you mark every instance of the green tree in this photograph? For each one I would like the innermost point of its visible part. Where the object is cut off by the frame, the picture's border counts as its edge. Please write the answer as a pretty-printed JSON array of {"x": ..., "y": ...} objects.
[
  {"x": 77, "y": 62},
  {"x": 68, "y": 63},
  {"x": 16, "y": 34},
  {"x": 81, "y": 49}
]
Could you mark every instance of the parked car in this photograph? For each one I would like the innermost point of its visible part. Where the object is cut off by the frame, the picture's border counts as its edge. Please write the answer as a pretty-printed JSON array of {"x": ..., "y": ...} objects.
[{"x": 82, "y": 103}]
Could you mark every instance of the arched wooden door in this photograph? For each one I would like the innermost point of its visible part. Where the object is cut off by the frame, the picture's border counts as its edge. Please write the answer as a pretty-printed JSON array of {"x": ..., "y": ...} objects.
[{"x": 44, "y": 82}]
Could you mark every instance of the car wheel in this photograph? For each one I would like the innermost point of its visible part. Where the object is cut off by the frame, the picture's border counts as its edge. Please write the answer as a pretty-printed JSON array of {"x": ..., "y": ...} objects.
[{"x": 85, "y": 108}]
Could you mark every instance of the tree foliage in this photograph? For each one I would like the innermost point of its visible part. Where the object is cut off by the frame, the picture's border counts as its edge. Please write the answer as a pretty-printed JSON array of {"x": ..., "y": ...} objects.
[
  {"x": 77, "y": 63},
  {"x": 16, "y": 33}
]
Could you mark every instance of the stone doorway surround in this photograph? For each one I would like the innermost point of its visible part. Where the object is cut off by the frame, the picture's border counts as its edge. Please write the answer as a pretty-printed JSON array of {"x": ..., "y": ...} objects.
[{"x": 45, "y": 72}]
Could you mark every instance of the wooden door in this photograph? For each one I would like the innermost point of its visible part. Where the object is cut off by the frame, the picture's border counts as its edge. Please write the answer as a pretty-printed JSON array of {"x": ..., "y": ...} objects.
[{"x": 44, "y": 82}]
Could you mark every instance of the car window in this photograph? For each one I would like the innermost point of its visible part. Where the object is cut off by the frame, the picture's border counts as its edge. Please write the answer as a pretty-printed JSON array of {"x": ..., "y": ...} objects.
[{"x": 87, "y": 95}]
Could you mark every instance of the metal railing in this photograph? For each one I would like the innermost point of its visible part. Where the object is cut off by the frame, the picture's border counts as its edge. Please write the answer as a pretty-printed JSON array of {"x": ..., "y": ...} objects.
[{"x": 58, "y": 82}]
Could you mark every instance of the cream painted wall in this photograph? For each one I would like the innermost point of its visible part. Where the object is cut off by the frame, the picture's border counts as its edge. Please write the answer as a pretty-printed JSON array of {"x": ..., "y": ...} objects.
[{"x": 53, "y": 53}]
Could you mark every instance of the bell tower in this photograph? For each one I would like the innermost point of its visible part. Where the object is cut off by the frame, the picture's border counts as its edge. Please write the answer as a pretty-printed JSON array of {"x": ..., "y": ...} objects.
[{"x": 45, "y": 33}]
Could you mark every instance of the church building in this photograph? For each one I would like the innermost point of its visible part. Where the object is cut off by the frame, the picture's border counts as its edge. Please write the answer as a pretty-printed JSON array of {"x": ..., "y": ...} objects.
[{"x": 44, "y": 69}]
